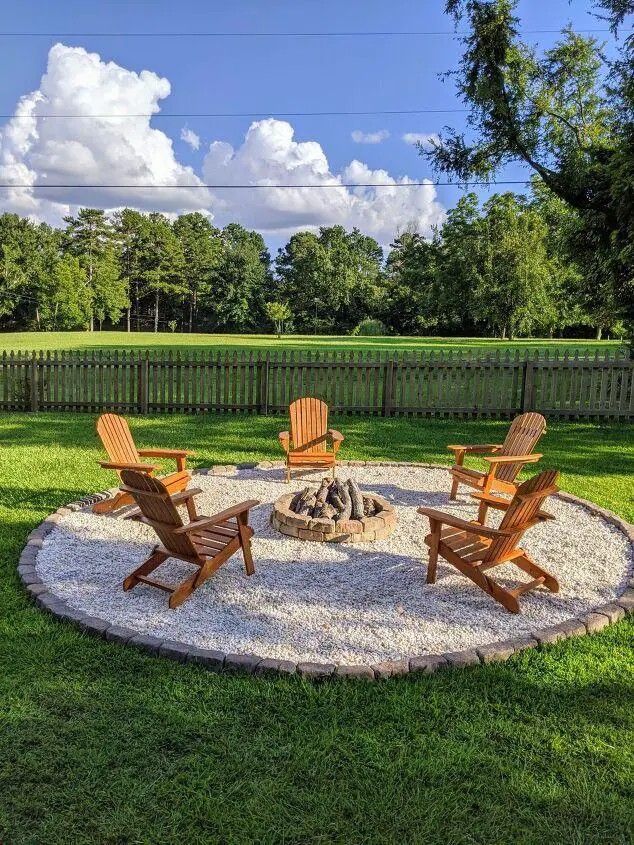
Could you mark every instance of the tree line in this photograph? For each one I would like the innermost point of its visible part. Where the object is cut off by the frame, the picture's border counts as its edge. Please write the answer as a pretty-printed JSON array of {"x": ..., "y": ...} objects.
[{"x": 506, "y": 267}]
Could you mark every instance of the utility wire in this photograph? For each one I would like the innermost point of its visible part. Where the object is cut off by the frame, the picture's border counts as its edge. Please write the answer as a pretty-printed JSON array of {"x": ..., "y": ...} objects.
[
  {"x": 234, "y": 114},
  {"x": 277, "y": 187},
  {"x": 351, "y": 34}
]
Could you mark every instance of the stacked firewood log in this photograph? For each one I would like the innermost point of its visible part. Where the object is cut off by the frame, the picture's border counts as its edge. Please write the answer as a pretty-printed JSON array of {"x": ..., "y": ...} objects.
[{"x": 337, "y": 500}]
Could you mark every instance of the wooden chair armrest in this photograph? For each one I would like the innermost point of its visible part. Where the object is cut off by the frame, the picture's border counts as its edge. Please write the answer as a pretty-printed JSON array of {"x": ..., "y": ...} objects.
[
  {"x": 456, "y": 522},
  {"x": 222, "y": 516},
  {"x": 503, "y": 504},
  {"x": 485, "y": 447},
  {"x": 138, "y": 467},
  {"x": 165, "y": 453},
  {"x": 492, "y": 501},
  {"x": 335, "y": 435},
  {"x": 512, "y": 459},
  {"x": 184, "y": 495}
]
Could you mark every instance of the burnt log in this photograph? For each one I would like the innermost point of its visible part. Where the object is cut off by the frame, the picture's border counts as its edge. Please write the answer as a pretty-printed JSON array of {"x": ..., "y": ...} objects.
[
  {"x": 294, "y": 503},
  {"x": 329, "y": 511},
  {"x": 356, "y": 498},
  {"x": 341, "y": 500},
  {"x": 320, "y": 499},
  {"x": 369, "y": 508},
  {"x": 306, "y": 506}
]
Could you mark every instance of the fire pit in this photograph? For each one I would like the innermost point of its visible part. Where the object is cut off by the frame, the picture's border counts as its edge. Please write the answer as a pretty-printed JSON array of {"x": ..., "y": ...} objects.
[{"x": 336, "y": 512}]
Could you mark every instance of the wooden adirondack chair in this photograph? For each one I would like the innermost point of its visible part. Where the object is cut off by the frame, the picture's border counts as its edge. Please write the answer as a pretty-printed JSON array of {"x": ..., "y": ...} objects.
[
  {"x": 206, "y": 541},
  {"x": 505, "y": 463},
  {"x": 307, "y": 444},
  {"x": 474, "y": 548},
  {"x": 118, "y": 442}
]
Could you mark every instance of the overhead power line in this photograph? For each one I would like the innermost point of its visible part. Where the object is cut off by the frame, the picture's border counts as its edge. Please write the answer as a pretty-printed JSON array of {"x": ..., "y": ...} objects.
[
  {"x": 183, "y": 115},
  {"x": 350, "y": 34},
  {"x": 289, "y": 187}
]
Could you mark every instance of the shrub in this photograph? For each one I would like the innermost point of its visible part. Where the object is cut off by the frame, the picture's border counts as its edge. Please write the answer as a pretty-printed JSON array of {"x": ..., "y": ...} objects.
[{"x": 369, "y": 328}]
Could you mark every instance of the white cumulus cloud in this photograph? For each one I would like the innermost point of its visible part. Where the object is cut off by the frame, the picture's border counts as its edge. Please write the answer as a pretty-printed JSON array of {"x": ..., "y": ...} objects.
[
  {"x": 90, "y": 149},
  {"x": 140, "y": 165},
  {"x": 360, "y": 137},
  {"x": 270, "y": 155},
  {"x": 425, "y": 138},
  {"x": 190, "y": 137}
]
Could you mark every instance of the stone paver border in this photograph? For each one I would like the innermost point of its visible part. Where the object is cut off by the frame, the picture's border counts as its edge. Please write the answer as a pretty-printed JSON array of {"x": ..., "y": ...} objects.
[{"x": 217, "y": 661}]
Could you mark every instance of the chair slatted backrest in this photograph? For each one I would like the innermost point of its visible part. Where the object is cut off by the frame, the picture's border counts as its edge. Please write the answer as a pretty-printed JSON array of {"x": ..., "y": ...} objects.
[
  {"x": 159, "y": 510},
  {"x": 117, "y": 439},
  {"x": 309, "y": 422},
  {"x": 525, "y": 505},
  {"x": 521, "y": 439}
]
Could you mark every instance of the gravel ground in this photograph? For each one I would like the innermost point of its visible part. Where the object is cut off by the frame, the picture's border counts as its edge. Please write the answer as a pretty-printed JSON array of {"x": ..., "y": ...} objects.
[{"x": 334, "y": 603}]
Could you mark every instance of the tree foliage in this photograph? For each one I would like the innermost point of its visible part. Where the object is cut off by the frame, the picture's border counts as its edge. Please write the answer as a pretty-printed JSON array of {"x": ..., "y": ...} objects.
[{"x": 556, "y": 113}]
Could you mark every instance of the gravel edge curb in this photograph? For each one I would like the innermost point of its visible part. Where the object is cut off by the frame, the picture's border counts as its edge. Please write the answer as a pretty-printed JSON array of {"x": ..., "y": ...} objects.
[{"x": 217, "y": 661}]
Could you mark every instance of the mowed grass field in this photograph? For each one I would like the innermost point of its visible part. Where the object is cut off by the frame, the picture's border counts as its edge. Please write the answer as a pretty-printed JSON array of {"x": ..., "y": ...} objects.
[
  {"x": 102, "y": 744},
  {"x": 140, "y": 341}
]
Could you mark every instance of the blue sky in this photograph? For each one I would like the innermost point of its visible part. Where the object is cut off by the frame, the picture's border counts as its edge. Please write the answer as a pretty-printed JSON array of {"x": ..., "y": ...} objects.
[{"x": 271, "y": 75}]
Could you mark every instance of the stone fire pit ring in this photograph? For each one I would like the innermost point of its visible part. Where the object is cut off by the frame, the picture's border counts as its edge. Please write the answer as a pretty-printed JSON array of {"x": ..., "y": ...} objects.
[{"x": 365, "y": 530}]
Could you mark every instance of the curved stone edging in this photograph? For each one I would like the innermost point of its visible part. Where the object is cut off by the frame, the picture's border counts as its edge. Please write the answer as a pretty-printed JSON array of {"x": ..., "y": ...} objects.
[{"x": 218, "y": 661}]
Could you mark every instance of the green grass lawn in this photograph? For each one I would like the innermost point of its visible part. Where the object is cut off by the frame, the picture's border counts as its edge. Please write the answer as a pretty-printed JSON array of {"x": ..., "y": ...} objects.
[
  {"x": 17, "y": 341},
  {"x": 101, "y": 744}
]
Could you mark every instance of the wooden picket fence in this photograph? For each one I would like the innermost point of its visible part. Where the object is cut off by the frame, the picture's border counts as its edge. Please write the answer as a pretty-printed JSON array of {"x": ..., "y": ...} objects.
[{"x": 408, "y": 384}]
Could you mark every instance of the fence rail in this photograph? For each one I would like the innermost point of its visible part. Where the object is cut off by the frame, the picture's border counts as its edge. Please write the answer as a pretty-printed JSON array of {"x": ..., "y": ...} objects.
[{"x": 408, "y": 384}]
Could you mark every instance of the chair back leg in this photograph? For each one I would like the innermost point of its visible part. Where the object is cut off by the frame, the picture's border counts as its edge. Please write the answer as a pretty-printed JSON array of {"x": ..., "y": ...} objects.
[
  {"x": 246, "y": 533},
  {"x": 154, "y": 560}
]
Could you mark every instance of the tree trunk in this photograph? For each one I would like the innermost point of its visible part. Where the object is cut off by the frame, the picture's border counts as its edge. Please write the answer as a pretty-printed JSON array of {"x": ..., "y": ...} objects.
[
  {"x": 128, "y": 316},
  {"x": 599, "y": 333},
  {"x": 37, "y": 317},
  {"x": 503, "y": 335},
  {"x": 92, "y": 316},
  {"x": 156, "y": 311},
  {"x": 193, "y": 310}
]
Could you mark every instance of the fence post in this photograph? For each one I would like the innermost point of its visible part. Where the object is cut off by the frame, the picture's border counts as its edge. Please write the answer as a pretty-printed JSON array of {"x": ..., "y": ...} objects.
[
  {"x": 528, "y": 386},
  {"x": 264, "y": 395},
  {"x": 143, "y": 382},
  {"x": 388, "y": 383},
  {"x": 34, "y": 385}
]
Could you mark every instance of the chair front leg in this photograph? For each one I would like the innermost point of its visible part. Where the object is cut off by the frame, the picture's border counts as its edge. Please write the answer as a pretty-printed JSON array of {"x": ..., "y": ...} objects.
[
  {"x": 488, "y": 481},
  {"x": 454, "y": 490},
  {"x": 433, "y": 551},
  {"x": 190, "y": 504},
  {"x": 483, "y": 509}
]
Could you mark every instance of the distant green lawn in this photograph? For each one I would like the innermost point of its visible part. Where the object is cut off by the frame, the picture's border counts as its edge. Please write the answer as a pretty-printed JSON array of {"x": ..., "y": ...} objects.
[
  {"x": 101, "y": 744},
  {"x": 205, "y": 342}
]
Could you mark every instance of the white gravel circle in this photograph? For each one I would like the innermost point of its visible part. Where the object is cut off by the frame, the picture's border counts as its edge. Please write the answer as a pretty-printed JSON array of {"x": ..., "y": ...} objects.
[{"x": 344, "y": 604}]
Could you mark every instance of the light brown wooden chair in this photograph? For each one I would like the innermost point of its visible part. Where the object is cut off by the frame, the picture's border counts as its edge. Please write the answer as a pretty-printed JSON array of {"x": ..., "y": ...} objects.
[
  {"x": 505, "y": 463},
  {"x": 206, "y": 541},
  {"x": 306, "y": 446},
  {"x": 118, "y": 442},
  {"x": 474, "y": 548}
]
